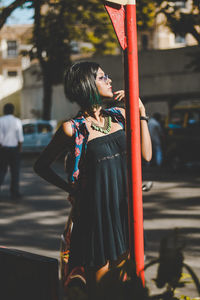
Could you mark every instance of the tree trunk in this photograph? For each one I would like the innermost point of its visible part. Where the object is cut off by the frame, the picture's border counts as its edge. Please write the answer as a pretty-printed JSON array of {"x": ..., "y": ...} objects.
[
  {"x": 47, "y": 97},
  {"x": 46, "y": 75}
]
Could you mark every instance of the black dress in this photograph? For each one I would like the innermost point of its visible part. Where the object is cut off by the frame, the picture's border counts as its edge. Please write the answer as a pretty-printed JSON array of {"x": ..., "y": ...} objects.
[{"x": 101, "y": 232}]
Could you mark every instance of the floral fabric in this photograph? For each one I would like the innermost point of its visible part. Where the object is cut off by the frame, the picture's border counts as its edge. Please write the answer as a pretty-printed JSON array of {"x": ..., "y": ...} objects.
[{"x": 81, "y": 134}]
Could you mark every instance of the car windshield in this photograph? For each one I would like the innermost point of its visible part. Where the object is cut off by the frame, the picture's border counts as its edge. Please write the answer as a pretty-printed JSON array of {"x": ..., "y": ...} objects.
[
  {"x": 176, "y": 119},
  {"x": 28, "y": 129},
  {"x": 44, "y": 128},
  {"x": 184, "y": 118},
  {"x": 193, "y": 118}
]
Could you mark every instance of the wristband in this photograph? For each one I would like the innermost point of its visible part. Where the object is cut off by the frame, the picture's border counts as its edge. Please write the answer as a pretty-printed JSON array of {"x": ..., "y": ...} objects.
[{"x": 145, "y": 118}]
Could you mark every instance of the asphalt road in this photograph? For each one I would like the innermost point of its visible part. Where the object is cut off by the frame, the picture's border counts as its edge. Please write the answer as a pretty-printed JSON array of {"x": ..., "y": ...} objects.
[{"x": 35, "y": 222}]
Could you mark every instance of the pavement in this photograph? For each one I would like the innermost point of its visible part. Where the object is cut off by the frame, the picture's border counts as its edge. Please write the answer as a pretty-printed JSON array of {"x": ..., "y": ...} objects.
[
  {"x": 35, "y": 222},
  {"x": 173, "y": 202}
]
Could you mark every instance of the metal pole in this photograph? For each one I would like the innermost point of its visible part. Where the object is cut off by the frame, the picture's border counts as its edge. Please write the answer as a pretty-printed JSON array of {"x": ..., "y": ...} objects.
[{"x": 136, "y": 235}]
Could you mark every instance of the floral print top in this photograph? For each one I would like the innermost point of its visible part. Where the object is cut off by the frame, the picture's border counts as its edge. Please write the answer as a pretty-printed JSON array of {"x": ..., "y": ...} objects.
[{"x": 80, "y": 133}]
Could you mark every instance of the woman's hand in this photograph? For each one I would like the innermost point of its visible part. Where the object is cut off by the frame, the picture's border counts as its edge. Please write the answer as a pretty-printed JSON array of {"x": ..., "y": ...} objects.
[
  {"x": 141, "y": 108},
  {"x": 119, "y": 95}
]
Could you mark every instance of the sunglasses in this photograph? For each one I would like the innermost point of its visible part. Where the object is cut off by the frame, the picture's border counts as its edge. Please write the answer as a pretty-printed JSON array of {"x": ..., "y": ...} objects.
[{"x": 104, "y": 78}]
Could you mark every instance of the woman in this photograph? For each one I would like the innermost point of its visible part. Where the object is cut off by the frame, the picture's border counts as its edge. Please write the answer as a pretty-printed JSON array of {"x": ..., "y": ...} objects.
[{"x": 97, "y": 180}]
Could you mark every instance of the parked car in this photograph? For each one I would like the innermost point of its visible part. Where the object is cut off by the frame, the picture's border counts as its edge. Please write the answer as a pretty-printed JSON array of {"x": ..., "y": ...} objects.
[
  {"x": 37, "y": 134},
  {"x": 183, "y": 136}
]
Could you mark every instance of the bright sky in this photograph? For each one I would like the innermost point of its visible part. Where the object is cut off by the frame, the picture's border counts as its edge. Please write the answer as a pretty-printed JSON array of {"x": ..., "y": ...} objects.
[{"x": 19, "y": 16}]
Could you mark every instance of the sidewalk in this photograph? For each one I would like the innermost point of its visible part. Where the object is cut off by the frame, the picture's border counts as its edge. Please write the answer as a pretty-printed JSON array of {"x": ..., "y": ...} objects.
[
  {"x": 36, "y": 221},
  {"x": 173, "y": 202}
]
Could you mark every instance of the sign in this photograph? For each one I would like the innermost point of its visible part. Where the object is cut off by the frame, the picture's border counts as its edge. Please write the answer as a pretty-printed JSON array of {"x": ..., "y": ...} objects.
[
  {"x": 117, "y": 16},
  {"x": 122, "y": 2}
]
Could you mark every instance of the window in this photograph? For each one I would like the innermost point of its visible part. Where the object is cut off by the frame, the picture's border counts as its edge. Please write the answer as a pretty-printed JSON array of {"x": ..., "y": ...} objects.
[
  {"x": 180, "y": 39},
  {"x": 11, "y": 48},
  {"x": 12, "y": 73},
  {"x": 28, "y": 129},
  {"x": 44, "y": 128},
  {"x": 176, "y": 119},
  {"x": 181, "y": 4},
  {"x": 74, "y": 47},
  {"x": 193, "y": 118}
]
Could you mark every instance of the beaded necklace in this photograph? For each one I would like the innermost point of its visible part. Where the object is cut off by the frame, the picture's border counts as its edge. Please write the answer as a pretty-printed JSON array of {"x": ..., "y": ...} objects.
[{"x": 104, "y": 129}]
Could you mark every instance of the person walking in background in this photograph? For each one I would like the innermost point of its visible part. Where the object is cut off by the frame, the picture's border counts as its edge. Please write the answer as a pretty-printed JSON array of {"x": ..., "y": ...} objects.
[
  {"x": 11, "y": 139},
  {"x": 156, "y": 133}
]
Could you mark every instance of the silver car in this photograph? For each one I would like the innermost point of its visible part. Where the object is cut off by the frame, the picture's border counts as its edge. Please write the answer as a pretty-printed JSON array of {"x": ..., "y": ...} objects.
[{"x": 37, "y": 134}]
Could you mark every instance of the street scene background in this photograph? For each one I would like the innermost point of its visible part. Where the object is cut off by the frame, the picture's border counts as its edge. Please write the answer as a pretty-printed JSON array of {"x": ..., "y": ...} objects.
[
  {"x": 36, "y": 41},
  {"x": 35, "y": 222}
]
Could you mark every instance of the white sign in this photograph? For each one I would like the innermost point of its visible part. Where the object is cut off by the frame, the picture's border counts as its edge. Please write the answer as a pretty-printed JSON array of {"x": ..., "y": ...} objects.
[{"x": 123, "y": 2}]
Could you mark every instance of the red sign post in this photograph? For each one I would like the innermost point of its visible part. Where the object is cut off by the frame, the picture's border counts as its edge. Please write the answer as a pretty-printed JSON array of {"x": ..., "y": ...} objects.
[{"x": 123, "y": 18}]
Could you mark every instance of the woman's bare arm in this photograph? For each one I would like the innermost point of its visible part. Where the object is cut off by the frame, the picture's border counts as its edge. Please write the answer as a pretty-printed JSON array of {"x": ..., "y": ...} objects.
[
  {"x": 61, "y": 141},
  {"x": 146, "y": 146}
]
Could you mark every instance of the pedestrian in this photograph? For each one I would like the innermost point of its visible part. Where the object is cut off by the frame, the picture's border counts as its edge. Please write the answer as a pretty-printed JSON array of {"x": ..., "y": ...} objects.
[
  {"x": 11, "y": 139},
  {"x": 156, "y": 133},
  {"x": 97, "y": 181}
]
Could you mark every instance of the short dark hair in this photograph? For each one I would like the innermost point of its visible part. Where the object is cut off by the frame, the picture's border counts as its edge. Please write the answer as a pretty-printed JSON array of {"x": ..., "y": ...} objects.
[
  {"x": 80, "y": 86},
  {"x": 8, "y": 109},
  {"x": 157, "y": 116}
]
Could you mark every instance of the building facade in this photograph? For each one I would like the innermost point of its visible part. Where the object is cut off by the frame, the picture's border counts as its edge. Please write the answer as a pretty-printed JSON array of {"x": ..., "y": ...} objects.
[
  {"x": 165, "y": 76},
  {"x": 14, "y": 40}
]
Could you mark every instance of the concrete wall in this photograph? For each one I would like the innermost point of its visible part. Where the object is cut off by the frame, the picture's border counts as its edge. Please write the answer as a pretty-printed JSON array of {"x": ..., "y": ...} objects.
[
  {"x": 166, "y": 73},
  {"x": 164, "y": 78}
]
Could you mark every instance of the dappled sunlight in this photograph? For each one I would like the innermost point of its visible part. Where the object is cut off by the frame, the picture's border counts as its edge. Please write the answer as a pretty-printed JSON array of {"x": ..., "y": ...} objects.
[
  {"x": 40, "y": 217},
  {"x": 173, "y": 204},
  {"x": 35, "y": 222}
]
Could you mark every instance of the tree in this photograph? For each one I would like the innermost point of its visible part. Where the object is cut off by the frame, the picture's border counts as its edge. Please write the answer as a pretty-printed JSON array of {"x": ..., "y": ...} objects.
[
  {"x": 65, "y": 21},
  {"x": 5, "y": 12},
  {"x": 146, "y": 12},
  {"x": 179, "y": 20},
  {"x": 57, "y": 23},
  {"x": 183, "y": 21}
]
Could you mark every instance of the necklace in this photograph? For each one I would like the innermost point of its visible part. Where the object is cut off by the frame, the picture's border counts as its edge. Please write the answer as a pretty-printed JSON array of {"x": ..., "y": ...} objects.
[{"x": 104, "y": 129}]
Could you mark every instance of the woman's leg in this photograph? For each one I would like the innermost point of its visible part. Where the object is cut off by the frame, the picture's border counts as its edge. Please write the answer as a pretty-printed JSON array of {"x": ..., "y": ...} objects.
[
  {"x": 93, "y": 276},
  {"x": 101, "y": 272},
  {"x": 120, "y": 261}
]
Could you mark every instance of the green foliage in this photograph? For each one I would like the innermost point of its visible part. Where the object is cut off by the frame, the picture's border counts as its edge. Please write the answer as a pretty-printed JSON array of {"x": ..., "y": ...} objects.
[
  {"x": 146, "y": 12},
  {"x": 68, "y": 21},
  {"x": 64, "y": 21},
  {"x": 97, "y": 28},
  {"x": 181, "y": 21}
]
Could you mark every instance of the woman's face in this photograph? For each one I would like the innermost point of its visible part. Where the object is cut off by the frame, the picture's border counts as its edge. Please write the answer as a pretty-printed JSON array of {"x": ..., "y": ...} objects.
[{"x": 103, "y": 84}]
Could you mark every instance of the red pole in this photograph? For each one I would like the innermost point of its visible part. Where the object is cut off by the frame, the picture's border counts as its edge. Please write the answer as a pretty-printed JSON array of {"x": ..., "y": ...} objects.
[{"x": 136, "y": 235}]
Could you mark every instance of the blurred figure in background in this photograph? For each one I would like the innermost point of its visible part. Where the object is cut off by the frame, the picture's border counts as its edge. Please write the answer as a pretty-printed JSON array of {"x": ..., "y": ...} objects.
[
  {"x": 157, "y": 134},
  {"x": 11, "y": 139}
]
